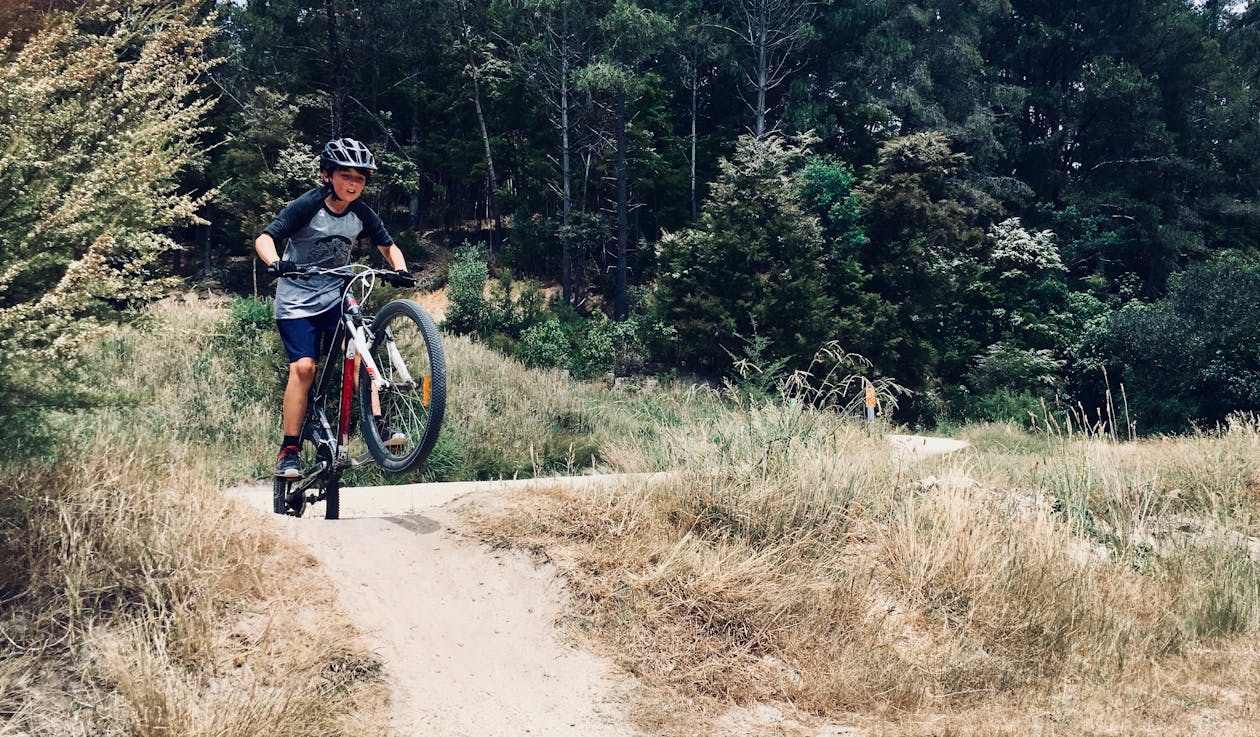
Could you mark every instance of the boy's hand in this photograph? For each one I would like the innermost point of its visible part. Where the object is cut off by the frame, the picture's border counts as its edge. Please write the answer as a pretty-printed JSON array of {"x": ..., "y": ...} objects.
[
  {"x": 402, "y": 278},
  {"x": 283, "y": 266}
]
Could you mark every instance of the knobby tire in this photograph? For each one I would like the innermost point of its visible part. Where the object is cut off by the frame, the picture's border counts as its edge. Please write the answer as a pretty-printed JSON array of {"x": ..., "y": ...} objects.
[{"x": 416, "y": 336}]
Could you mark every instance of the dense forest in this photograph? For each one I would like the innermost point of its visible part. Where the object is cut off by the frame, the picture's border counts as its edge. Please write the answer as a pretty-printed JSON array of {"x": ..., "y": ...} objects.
[{"x": 1004, "y": 206}]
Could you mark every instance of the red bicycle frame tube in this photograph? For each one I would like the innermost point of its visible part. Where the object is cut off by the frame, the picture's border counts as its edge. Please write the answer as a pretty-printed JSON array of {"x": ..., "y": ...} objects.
[
  {"x": 347, "y": 393},
  {"x": 347, "y": 385}
]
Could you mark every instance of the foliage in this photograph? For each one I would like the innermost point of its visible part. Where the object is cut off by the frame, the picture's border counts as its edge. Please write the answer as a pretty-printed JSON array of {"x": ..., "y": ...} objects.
[
  {"x": 750, "y": 265},
  {"x": 101, "y": 112},
  {"x": 926, "y": 226},
  {"x": 259, "y": 168},
  {"x": 1193, "y": 356},
  {"x": 827, "y": 184},
  {"x": 545, "y": 344},
  {"x": 470, "y": 310},
  {"x": 518, "y": 319},
  {"x": 1019, "y": 293}
]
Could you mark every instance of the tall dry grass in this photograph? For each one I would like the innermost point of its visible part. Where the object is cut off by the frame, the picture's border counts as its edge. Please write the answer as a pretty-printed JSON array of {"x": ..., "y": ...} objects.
[
  {"x": 800, "y": 560},
  {"x": 137, "y": 598},
  {"x": 504, "y": 420}
]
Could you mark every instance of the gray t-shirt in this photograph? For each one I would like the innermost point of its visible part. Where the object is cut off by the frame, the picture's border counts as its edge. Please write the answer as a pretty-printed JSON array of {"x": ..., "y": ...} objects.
[{"x": 319, "y": 237}]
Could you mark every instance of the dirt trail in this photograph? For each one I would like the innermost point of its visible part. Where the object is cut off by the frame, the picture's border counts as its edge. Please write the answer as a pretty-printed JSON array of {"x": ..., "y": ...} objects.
[
  {"x": 923, "y": 446},
  {"x": 467, "y": 632}
]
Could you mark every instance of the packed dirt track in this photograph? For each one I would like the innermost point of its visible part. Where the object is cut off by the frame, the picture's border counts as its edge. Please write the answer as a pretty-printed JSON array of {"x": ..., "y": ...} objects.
[{"x": 467, "y": 631}]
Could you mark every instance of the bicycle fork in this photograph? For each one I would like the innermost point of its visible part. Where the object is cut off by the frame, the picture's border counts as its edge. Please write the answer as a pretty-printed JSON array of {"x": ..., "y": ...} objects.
[{"x": 356, "y": 353}]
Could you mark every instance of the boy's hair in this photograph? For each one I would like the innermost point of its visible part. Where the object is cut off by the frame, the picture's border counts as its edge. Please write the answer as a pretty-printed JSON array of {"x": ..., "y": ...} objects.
[{"x": 347, "y": 153}]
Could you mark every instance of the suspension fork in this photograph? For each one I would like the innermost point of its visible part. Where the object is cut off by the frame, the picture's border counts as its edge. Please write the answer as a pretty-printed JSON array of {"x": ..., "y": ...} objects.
[{"x": 356, "y": 352}]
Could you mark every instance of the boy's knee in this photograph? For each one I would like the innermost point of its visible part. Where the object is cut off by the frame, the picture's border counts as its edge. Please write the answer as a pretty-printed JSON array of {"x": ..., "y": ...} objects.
[{"x": 303, "y": 370}]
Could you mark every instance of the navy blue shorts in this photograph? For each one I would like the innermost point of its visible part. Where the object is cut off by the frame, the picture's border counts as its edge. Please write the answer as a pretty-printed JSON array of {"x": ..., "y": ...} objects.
[{"x": 309, "y": 337}]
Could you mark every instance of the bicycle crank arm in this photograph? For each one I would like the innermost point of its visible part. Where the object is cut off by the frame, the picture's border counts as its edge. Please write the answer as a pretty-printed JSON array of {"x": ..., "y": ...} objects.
[{"x": 317, "y": 469}]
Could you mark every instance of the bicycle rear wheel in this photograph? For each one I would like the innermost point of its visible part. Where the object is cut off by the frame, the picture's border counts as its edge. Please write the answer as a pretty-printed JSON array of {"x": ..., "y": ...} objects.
[
  {"x": 407, "y": 350},
  {"x": 331, "y": 489}
]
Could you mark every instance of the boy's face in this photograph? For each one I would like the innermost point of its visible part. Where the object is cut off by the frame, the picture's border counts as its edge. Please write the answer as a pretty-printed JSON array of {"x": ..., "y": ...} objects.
[{"x": 348, "y": 183}]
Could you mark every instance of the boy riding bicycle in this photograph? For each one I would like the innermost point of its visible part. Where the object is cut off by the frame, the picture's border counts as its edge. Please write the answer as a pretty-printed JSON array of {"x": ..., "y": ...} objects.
[{"x": 321, "y": 226}]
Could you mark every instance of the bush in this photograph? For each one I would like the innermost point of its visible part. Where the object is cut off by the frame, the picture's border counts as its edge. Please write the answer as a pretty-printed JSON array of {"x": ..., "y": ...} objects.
[
  {"x": 1194, "y": 356},
  {"x": 545, "y": 344},
  {"x": 469, "y": 313},
  {"x": 95, "y": 86},
  {"x": 1004, "y": 405}
]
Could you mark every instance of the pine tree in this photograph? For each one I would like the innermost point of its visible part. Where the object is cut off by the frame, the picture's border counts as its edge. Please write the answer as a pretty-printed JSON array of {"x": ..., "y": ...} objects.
[{"x": 752, "y": 267}]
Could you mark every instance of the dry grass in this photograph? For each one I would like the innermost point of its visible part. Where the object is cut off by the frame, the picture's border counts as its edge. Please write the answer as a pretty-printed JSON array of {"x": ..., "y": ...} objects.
[
  {"x": 138, "y": 599},
  {"x": 506, "y": 420},
  {"x": 1032, "y": 585}
]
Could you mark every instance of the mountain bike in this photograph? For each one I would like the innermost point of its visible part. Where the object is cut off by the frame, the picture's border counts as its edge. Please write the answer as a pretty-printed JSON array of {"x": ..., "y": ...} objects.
[{"x": 394, "y": 362}]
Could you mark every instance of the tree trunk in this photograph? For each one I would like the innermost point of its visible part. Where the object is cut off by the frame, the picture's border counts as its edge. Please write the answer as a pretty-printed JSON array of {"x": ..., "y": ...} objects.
[
  {"x": 759, "y": 125},
  {"x": 417, "y": 222},
  {"x": 695, "y": 91},
  {"x": 621, "y": 308},
  {"x": 338, "y": 92},
  {"x": 207, "y": 261},
  {"x": 566, "y": 205},
  {"x": 492, "y": 201}
]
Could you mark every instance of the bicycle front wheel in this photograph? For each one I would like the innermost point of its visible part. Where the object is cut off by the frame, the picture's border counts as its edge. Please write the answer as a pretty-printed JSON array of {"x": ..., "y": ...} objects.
[{"x": 407, "y": 351}]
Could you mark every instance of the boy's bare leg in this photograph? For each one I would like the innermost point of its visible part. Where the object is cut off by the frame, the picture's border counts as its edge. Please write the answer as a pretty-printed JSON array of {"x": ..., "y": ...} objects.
[{"x": 301, "y": 375}]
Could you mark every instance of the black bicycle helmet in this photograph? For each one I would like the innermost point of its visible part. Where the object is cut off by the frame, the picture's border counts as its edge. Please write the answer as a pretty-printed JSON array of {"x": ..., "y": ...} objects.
[{"x": 346, "y": 153}]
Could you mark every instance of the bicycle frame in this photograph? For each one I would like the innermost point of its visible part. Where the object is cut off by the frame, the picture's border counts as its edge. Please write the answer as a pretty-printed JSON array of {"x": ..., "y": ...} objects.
[{"x": 353, "y": 337}]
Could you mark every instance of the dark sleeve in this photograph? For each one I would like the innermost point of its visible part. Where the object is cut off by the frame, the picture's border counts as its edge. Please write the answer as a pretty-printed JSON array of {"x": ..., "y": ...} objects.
[
  {"x": 295, "y": 215},
  {"x": 373, "y": 228}
]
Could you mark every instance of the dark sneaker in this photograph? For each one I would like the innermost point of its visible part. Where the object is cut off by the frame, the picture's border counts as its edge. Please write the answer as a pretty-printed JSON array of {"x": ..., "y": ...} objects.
[
  {"x": 288, "y": 465},
  {"x": 390, "y": 437}
]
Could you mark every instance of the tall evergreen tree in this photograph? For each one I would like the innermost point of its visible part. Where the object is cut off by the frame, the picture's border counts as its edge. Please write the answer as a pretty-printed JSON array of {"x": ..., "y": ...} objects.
[
  {"x": 631, "y": 34},
  {"x": 751, "y": 267},
  {"x": 926, "y": 228}
]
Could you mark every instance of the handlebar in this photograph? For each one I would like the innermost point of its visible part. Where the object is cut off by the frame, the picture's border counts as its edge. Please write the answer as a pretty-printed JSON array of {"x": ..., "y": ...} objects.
[{"x": 347, "y": 273}]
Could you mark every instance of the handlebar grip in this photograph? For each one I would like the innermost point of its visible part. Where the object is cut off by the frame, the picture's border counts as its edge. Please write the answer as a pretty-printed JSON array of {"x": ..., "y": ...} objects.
[{"x": 274, "y": 274}]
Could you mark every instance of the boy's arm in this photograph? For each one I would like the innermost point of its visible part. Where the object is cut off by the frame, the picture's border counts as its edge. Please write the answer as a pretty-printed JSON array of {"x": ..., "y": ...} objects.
[
  {"x": 295, "y": 215},
  {"x": 265, "y": 247},
  {"x": 394, "y": 256}
]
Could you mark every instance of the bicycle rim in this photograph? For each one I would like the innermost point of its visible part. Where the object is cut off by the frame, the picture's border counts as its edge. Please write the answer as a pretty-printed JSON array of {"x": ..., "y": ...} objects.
[{"x": 407, "y": 351}]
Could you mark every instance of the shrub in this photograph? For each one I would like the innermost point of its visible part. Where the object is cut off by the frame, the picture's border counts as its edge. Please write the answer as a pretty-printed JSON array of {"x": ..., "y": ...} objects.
[
  {"x": 80, "y": 244},
  {"x": 469, "y": 312},
  {"x": 545, "y": 344},
  {"x": 1194, "y": 356}
]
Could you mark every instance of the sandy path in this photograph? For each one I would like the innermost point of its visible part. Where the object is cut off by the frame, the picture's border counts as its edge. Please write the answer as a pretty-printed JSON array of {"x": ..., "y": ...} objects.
[
  {"x": 923, "y": 446},
  {"x": 466, "y": 632}
]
